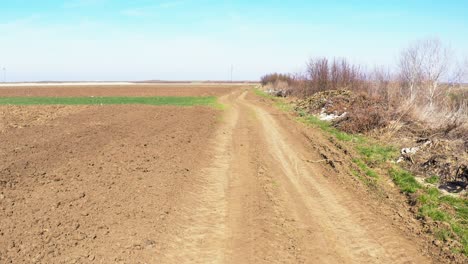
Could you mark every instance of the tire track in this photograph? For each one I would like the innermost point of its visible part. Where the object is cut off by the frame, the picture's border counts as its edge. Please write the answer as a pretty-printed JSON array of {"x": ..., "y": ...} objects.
[
  {"x": 259, "y": 202},
  {"x": 351, "y": 235},
  {"x": 202, "y": 220}
]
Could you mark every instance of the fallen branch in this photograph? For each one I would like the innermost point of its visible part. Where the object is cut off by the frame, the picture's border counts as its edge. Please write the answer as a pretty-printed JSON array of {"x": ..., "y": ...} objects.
[{"x": 322, "y": 160}]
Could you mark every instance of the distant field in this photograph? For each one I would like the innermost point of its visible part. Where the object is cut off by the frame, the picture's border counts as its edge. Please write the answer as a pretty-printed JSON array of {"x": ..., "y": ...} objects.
[
  {"x": 132, "y": 90},
  {"x": 159, "y": 100}
]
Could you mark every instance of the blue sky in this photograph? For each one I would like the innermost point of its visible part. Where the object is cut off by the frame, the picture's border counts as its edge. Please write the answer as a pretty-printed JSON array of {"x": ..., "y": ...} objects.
[{"x": 198, "y": 40}]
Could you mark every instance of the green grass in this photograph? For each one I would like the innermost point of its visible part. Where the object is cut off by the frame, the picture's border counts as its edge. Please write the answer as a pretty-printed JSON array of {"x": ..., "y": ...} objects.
[
  {"x": 377, "y": 154},
  {"x": 366, "y": 175},
  {"x": 404, "y": 180},
  {"x": 263, "y": 94},
  {"x": 432, "y": 205},
  {"x": 368, "y": 171},
  {"x": 442, "y": 234},
  {"x": 327, "y": 127},
  {"x": 163, "y": 100},
  {"x": 432, "y": 180},
  {"x": 281, "y": 104},
  {"x": 460, "y": 205}
]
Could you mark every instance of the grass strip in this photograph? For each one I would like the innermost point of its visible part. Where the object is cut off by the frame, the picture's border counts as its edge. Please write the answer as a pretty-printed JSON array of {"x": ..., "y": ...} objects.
[{"x": 159, "y": 100}]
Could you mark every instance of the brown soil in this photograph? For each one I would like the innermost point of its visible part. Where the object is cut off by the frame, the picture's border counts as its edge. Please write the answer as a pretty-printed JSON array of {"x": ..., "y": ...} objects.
[
  {"x": 144, "y": 184},
  {"x": 98, "y": 182},
  {"x": 119, "y": 90}
]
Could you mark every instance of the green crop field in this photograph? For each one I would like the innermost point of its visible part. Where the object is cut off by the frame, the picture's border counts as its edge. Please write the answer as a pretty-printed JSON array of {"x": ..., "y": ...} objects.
[{"x": 160, "y": 100}]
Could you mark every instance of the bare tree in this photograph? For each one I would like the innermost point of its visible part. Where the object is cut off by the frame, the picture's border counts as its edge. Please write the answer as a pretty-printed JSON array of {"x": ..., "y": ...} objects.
[
  {"x": 318, "y": 72},
  {"x": 335, "y": 74},
  {"x": 435, "y": 66},
  {"x": 423, "y": 65},
  {"x": 410, "y": 70}
]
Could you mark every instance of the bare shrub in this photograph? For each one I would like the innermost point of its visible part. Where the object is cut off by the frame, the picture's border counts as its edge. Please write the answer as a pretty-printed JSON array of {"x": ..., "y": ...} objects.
[
  {"x": 323, "y": 75},
  {"x": 318, "y": 73},
  {"x": 381, "y": 82},
  {"x": 427, "y": 87},
  {"x": 275, "y": 77},
  {"x": 300, "y": 86},
  {"x": 443, "y": 120},
  {"x": 458, "y": 101}
]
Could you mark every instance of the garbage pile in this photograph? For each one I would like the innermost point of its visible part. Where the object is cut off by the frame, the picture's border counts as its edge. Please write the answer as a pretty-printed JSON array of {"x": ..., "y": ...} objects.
[
  {"x": 440, "y": 158},
  {"x": 348, "y": 111},
  {"x": 323, "y": 102}
]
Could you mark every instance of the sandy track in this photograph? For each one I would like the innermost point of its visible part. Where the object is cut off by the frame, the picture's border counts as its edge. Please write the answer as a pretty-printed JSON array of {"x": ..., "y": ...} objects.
[
  {"x": 331, "y": 225},
  {"x": 262, "y": 203},
  {"x": 142, "y": 184}
]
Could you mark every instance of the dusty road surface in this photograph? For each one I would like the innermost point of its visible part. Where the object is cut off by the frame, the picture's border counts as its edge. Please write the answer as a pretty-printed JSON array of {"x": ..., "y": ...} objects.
[{"x": 146, "y": 184}]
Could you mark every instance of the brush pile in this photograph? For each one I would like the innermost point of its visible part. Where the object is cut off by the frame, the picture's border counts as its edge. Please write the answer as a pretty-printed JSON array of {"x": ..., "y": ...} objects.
[{"x": 351, "y": 112}]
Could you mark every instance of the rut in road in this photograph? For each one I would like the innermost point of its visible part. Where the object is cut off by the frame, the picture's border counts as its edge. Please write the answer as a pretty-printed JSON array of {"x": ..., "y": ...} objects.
[{"x": 260, "y": 202}]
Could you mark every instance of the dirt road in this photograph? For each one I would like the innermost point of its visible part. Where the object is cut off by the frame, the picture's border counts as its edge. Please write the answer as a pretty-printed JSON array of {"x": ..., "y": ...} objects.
[
  {"x": 141, "y": 184},
  {"x": 259, "y": 201}
]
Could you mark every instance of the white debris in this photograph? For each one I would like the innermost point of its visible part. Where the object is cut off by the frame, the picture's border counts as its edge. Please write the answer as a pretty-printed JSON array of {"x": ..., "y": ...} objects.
[
  {"x": 277, "y": 92},
  {"x": 329, "y": 117},
  {"x": 400, "y": 159},
  {"x": 413, "y": 150},
  {"x": 409, "y": 151}
]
